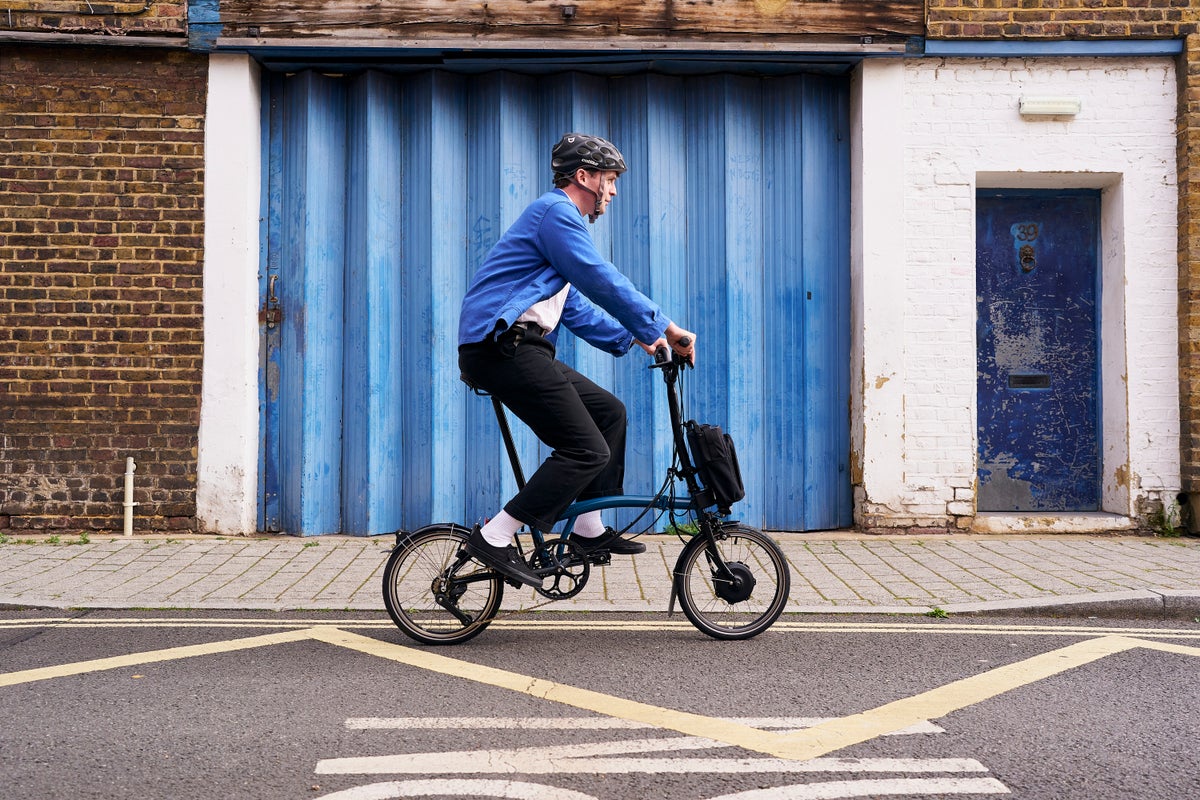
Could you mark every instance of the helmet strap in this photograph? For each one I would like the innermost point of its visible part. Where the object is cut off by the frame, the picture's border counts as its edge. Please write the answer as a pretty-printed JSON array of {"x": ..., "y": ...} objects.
[{"x": 596, "y": 210}]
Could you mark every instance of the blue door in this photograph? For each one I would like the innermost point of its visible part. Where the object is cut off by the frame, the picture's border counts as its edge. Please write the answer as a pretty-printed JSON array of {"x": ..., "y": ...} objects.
[
  {"x": 385, "y": 191},
  {"x": 1037, "y": 279}
]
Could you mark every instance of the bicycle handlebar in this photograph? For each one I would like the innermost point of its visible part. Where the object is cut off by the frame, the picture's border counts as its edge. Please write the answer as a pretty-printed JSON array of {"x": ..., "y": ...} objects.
[{"x": 664, "y": 355}]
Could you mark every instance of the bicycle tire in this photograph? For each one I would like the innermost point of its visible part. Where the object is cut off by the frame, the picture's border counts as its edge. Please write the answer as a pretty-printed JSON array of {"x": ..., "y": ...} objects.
[
  {"x": 419, "y": 566},
  {"x": 727, "y": 611}
]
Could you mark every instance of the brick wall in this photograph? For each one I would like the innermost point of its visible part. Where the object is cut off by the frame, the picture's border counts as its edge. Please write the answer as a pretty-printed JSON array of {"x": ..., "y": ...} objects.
[
  {"x": 101, "y": 171},
  {"x": 1115, "y": 19},
  {"x": 1058, "y": 19},
  {"x": 1189, "y": 262}
]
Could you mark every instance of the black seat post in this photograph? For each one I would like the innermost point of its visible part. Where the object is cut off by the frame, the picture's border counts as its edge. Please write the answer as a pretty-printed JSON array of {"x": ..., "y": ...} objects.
[
  {"x": 505, "y": 431},
  {"x": 509, "y": 445}
]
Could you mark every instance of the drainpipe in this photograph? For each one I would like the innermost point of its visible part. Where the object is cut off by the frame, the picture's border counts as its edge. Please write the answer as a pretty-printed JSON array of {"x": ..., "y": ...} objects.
[{"x": 128, "y": 504}]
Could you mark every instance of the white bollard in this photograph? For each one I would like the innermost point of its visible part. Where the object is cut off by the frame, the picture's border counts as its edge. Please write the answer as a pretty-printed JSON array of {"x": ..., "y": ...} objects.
[{"x": 129, "y": 504}]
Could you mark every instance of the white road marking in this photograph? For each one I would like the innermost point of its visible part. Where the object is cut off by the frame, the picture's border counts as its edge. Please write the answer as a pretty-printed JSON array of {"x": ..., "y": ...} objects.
[
  {"x": 835, "y": 790},
  {"x": 588, "y": 758},
  {"x": 595, "y": 758},
  {"x": 586, "y": 723},
  {"x": 557, "y": 761},
  {"x": 517, "y": 790}
]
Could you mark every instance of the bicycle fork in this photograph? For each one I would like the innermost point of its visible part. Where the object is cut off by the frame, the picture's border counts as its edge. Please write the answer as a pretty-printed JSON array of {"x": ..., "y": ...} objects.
[{"x": 732, "y": 581}]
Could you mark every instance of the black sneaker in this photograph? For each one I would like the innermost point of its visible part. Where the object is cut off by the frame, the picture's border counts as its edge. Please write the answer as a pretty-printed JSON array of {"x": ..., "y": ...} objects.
[
  {"x": 505, "y": 560},
  {"x": 608, "y": 542}
]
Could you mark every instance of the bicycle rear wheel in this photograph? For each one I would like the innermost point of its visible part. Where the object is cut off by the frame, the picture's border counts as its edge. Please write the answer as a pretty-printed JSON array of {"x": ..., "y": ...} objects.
[
  {"x": 747, "y": 600},
  {"x": 435, "y": 592}
]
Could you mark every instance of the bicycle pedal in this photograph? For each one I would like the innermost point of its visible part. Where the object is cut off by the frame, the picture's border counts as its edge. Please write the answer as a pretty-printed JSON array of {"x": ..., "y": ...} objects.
[{"x": 601, "y": 559}]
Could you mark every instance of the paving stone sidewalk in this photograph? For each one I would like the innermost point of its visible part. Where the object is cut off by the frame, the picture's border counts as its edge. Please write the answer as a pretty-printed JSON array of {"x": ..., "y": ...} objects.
[{"x": 840, "y": 572}]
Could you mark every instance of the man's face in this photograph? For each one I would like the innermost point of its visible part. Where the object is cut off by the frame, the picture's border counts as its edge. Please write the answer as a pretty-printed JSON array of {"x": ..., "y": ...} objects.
[{"x": 604, "y": 184}]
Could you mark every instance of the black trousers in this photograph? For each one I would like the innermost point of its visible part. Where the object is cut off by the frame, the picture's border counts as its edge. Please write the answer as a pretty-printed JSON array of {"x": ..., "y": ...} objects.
[{"x": 584, "y": 424}]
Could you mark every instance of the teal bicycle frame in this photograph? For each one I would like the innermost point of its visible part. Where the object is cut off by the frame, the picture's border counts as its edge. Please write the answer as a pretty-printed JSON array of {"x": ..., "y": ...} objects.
[
  {"x": 697, "y": 499},
  {"x": 730, "y": 580}
]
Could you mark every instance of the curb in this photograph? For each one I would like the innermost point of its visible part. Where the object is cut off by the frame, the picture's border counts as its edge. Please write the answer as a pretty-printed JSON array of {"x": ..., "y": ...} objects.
[
  {"x": 1135, "y": 604},
  {"x": 1138, "y": 604}
]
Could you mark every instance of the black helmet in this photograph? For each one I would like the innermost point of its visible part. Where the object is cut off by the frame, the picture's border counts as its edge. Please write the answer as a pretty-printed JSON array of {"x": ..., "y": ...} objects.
[{"x": 576, "y": 150}]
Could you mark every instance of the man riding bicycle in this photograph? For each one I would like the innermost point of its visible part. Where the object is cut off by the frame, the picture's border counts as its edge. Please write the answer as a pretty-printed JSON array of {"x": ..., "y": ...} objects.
[{"x": 546, "y": 271}]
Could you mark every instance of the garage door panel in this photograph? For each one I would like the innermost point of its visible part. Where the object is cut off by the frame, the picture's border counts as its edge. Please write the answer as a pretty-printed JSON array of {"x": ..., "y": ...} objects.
[
  {"x": 311, "y": 268},
  {"x": 388, "y": 191}
]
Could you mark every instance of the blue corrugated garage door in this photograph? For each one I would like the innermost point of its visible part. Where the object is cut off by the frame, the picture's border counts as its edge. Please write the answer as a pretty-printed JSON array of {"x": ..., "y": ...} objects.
[{"x": 383, "y": 193}]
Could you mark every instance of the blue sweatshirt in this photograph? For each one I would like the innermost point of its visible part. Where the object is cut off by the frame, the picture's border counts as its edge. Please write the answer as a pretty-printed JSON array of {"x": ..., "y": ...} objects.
[{"x": 548, "y": 247}]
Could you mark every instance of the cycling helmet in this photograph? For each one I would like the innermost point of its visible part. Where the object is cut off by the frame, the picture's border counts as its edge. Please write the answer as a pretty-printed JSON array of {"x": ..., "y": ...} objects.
[{"x": 581, "y": 150}]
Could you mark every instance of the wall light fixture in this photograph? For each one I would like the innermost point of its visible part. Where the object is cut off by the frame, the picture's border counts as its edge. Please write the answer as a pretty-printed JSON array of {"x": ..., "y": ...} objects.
[{"x": 1050, "y": 106}]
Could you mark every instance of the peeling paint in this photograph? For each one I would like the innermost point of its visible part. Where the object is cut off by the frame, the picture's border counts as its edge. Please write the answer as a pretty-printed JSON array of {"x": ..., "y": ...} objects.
[
  {"x": 1038, "y": 363},
  {"x": 1004, "y": 490},
  {"x": 1121, "y": 476}
]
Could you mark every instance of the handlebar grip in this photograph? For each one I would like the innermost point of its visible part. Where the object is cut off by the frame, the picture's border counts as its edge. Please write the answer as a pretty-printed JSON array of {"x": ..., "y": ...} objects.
[
  {"x": 685, "y": 340},
  {"x": 662, "y": 354}
]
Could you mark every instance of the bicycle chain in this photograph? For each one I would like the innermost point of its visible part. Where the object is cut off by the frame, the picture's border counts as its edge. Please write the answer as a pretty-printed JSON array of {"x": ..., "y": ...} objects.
[
  {"x": 525, "y": 610},
  {"x": 515, "y": 612}
]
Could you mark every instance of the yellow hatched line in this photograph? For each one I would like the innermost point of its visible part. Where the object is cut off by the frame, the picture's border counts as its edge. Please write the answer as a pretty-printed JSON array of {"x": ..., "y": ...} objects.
[
  {"x": 811, "y": 743},
  {"x": 150, "y": 657},
  {"x": 936, "y": 703},
  {"x": 607, "y": 705},
  {"x": 1169, "y": 647},
  {"x": 803, "y": 745},
  {"x": 940, "y": 627}
]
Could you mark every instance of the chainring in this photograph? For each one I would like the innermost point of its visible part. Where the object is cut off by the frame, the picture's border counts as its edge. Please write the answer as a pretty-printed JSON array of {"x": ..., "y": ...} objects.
[{"x": 564, "y": 568}]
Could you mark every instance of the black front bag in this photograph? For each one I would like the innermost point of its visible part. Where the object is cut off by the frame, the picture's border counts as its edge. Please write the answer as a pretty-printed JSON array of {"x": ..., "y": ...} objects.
[{"x": 715, "y": 459}]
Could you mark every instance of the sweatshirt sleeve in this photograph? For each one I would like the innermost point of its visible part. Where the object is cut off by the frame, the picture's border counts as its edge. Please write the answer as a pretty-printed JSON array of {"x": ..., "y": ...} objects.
[
  {"x": 567, "y": 245},
  {"x": 594, "y": 325}
]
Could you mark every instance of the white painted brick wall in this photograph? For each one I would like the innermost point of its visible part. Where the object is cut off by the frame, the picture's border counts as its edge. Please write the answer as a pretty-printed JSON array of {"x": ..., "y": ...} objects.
[
  {"x": 229, "y": 437},
  {"x": 957, "y": 127}
]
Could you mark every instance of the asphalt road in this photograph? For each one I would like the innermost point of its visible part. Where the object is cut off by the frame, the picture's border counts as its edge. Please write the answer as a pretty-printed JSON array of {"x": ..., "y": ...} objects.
[{"x": 205, "y": 705}]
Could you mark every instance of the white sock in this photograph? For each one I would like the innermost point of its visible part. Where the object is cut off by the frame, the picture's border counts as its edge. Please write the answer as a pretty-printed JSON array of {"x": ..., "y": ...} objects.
[
  {"x": 589, "y": 525},
  {"x": 499, "y": 530}
]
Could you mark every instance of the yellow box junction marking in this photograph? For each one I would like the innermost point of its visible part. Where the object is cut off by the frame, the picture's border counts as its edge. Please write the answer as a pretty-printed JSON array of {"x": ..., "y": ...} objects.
[
  {"x": 150, "y": 657},
  {"x": 811, "y": 743},
  {"x": 692, "y": 724},
  {"x": 936, "y": 703}
]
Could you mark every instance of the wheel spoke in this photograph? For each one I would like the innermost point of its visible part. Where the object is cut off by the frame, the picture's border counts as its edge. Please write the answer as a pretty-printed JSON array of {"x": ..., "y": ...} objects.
[
  {"x": 427, "y": 568},
  {"x": 744, "y": 601}
]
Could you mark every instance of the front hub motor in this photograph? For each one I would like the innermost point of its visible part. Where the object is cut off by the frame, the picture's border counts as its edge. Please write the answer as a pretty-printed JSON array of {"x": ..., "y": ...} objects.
[{"x": 737, "y": 590}]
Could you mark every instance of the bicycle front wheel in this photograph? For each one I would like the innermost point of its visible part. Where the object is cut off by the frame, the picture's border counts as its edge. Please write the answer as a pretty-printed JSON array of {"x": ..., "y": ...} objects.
[
  {"x": 435, "y": 592},
  {"x": 735, "y": 585}
]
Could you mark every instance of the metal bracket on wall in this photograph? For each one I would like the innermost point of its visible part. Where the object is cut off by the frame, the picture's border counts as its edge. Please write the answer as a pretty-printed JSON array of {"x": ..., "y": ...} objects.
[{"x": 271, "y": 314}]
